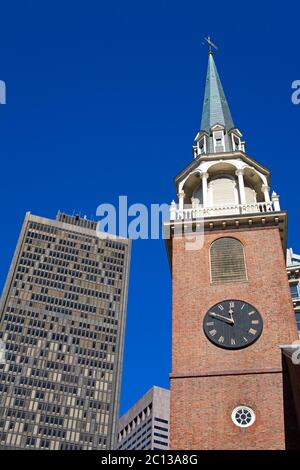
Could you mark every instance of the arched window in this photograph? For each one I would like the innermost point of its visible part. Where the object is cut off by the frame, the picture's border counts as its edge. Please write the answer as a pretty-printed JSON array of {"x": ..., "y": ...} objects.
[{"x": 227, "y": 261}]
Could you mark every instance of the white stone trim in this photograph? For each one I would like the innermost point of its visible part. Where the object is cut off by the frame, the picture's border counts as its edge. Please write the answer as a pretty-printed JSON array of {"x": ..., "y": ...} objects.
[
  {"x": 240, "y": 174},
  {"x": 204, "y": 178}
]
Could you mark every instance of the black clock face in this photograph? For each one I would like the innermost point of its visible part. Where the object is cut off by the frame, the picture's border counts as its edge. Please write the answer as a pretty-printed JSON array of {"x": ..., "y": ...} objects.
[{"x": 233, "y": 324}]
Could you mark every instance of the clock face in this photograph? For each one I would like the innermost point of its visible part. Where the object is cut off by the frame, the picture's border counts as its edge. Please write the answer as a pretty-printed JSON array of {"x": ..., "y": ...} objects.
[{"x": 233, "y": 324}]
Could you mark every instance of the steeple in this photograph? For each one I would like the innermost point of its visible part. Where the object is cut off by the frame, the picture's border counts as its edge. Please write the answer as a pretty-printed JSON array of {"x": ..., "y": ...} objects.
[
  {"x": 215, "y": 106},
  {"x": 217, "y": 133}
]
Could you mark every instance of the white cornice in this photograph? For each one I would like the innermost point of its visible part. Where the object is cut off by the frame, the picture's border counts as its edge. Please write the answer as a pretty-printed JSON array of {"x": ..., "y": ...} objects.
[{"x": 221, "y": 156}]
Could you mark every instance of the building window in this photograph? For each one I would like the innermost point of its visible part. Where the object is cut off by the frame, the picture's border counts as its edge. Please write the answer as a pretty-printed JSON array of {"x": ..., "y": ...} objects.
[
  {"x": 160, "y": 443},
  {"x": 202, "y": 146},
  {"x": 236, "y": 143},
  {"x": 227, "y": 261},
  {"x": 160, "y": 420},
  {"x": 243, "y": 416},
  {"x": 295, "y": 291},
  {"x": 298, "y": 320},
  {"x": 218, "y": 141}
]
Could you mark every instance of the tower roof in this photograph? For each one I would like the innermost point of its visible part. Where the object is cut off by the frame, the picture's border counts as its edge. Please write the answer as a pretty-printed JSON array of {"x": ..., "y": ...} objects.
[{"x": 215, "y": 106}]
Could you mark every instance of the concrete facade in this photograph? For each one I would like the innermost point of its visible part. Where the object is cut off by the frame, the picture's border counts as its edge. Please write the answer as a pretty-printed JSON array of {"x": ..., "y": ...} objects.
[
  {"x": 146, "y": 425},
  {"x": 62, "y": 322}
]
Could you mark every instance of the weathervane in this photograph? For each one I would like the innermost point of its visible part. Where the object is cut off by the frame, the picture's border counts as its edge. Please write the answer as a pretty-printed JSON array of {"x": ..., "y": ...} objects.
[{"x": 210, "y": 44}]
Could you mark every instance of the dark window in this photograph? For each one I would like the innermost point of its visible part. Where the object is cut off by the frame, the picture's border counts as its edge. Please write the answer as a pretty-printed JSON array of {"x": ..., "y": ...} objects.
[
  {"x": 157, "y": 434},
  {"x": 161, "y": 443},
  {"x": 160, "y": 420},
  {"x": 295, "y": 291},
  {"x": 298, "y": 320},
  {"x": 161, "y": 429}
]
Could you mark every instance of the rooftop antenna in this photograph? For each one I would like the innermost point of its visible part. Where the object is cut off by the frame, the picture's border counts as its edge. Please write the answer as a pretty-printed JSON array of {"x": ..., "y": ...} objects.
[{"x": 211, "y": 45}]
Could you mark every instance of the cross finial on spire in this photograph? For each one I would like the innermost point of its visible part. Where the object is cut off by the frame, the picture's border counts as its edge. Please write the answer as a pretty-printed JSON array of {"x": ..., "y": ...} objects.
[{"x": 211, "y": 45}]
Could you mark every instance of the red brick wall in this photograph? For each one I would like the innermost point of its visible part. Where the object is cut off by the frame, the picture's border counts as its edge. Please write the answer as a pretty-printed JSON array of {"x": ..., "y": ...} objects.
[
  {"x": 195, "y": 412},
  {"x": 202, "y": 407}
]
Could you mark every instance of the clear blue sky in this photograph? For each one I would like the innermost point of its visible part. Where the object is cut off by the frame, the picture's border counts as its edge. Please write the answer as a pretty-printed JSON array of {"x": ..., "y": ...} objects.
[{"x": 105, "y": 97}]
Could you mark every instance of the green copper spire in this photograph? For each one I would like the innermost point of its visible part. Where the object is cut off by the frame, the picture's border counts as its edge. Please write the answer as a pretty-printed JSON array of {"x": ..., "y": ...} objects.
[{"x": 215, "y": 106}]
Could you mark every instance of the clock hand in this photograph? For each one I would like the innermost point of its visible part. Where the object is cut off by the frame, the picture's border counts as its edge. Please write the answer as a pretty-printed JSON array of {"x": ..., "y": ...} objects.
[{"x": 216, "y": 315}]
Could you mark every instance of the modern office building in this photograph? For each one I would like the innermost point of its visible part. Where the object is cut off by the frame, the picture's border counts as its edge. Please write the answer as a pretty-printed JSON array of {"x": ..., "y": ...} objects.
[
  {"x": 146, "y": 425},
  {"x": 62, "y": 323}
]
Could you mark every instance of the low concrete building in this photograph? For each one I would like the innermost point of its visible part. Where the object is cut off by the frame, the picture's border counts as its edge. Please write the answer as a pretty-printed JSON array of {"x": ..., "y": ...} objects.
[{"x": 146, "y": 425}]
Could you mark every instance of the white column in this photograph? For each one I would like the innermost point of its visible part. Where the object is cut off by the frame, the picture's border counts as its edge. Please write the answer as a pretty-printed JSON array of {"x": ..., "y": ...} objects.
[
  {"x": 240, "y": 174},
  {"x": 204, "y": 177},
  {"x": 266, "y": 190},
  {"x": 181, "y": 200}
]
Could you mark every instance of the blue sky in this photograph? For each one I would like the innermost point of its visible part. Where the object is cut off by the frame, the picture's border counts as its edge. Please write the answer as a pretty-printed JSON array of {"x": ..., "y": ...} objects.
[{"x": 105, "y": 98}]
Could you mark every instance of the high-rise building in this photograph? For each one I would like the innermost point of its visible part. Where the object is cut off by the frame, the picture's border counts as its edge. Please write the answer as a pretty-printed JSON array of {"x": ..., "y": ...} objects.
[
  {"x": 63, "y": 314},
  {"x": 235, "y": 371},
  {"x": 146, "y": 425}
]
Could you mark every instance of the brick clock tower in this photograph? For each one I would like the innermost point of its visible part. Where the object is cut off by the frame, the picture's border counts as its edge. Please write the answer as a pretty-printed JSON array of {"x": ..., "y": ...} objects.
[{"x": 232, "y": 307}]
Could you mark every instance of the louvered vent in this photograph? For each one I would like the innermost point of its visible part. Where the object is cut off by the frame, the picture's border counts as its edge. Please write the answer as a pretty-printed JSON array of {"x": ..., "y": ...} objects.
[
  {"x": 250, "y": 195},
  {"x": 223, "y": 191},
  {"x": 227, "y": 261}
]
